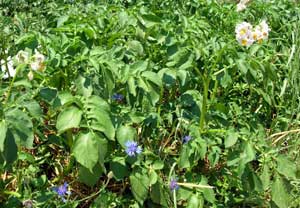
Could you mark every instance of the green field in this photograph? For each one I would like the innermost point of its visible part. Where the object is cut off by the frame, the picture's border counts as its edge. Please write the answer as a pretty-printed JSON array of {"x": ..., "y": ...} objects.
[{"x": 150, "y": 103}]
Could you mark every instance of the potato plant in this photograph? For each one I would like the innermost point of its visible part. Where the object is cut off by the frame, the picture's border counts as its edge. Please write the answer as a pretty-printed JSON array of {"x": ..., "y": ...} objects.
[{"x": 137, "y": 103}]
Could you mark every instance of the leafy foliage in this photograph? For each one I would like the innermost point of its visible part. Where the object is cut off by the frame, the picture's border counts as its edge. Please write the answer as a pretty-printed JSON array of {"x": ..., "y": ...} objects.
[{"x": 100, "y": 74}]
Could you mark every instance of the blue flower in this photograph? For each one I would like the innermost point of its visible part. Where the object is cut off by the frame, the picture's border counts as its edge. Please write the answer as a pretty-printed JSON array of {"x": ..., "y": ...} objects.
[
  {"x": 132, "y": 148},
  {"x": 62, "y": 191},
  {"x": 117, "y": 97},
  {"x": 186, "y": 139},
  {"x": 173, "y": 184}
]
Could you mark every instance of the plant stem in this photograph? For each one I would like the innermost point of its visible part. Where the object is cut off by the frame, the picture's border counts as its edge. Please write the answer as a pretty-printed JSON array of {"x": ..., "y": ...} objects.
[
  {"x": 11, "y": 84},
  {"x": 206, "y": 81}
]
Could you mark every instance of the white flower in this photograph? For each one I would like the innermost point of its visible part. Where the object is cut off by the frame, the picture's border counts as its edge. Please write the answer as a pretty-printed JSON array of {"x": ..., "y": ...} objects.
[
  {"x": 240, "y": 6},
  {"x": 246, "y": 41},
  {"x": 257, "y": 34},
  {"x": 11, "y": 69},
  {"x": 261, "y": 31},
  {"x": 244, "y": 33},
  {"x": 30, "y": 75},
  {"x": 38, "y": 62},
  {"x": 264, "y": 28},
  {"x": 22, "y": 57}
]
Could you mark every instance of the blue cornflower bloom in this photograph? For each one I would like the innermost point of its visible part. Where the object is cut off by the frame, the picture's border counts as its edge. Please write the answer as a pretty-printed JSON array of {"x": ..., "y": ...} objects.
[
  {"x": 117, "y": 97},
  {"x": 173, "y": 184},
  {"x": 186, "y": 139},
  {"x": 132, "y": 148},
  {"x": 62, "y": 191}
]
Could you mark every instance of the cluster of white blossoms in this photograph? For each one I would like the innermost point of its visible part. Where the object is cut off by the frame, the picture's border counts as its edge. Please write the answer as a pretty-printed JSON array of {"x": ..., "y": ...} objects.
[
  {"x": 241, "y": 5},
  {"x": 36, "y": 62},
  {"x": 246, "y": 35}
]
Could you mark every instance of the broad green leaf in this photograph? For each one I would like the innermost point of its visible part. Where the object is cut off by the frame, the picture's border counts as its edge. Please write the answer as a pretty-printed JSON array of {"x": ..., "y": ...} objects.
[
  {"x": 21, "y": 127},
  {"x": 9, "y": 154},
  {"x": 153, "y": 77},
  {"x": 86, "y": 150},
  {"x": 3, "y": 130},
  {"x": 84, "y": 86},
  {"x": 248, "y": 153},
  {"x": 61, "y": 20},
  {"x": 265, "y": 177},
  {"x": 136, "y": 47},
  {"x": 124, "y": 134},
  {"x": 184, "y": 161},
  {"x": 119, "y": 168},
  {"x": 279, "y": 193},
  {"x": 231, "y": 138},
  {"x": 48, "y": 94},
  {"x": 242, "y": 66},
  {"x": 139, "y": 186},
  {"x": 159, "y": 194},
  {"x": 132, "y": 86},
  {"x": 158, "y": 165},
  {"x": 69, "y": 118},
  {"x": 34, "y": 109},
  {"x": 101, "y": 121},
  {"x": 195, "y": 201},
  {"x": 90, "y": 178},
  {"x": 286, "y": 167},
  {"x": 209, "y": 195}
]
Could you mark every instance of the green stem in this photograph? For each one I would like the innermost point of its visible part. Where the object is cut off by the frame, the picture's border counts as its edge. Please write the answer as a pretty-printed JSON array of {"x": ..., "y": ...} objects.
[
  {"x": 206, "y": 81},
  {"x": 11, "y": 84},
  {"x": 174, "y": 199}
]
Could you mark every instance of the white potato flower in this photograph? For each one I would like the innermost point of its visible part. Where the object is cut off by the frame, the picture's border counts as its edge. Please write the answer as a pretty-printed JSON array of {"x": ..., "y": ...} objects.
[
  {"x": 240, "y": 6},
  {"x": 264, "y": 28},
  {"x": 261, "y": 31},
  {"x": 38, "y": 62},
  {"x": 30, "y": 75},
  {"x": 11, "y": 69},
  {"x": 244, "y": 34},
  {"x": 22, "y": 57}
]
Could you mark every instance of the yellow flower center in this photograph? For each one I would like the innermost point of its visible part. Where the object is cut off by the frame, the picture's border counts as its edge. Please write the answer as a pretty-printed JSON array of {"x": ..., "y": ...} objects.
[{"x": 244, "y": 42}]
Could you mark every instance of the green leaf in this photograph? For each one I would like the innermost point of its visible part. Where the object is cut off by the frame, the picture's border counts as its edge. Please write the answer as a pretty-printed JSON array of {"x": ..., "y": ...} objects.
[
  {"x": 124, "y": 134},
  {"x": 136, "y": 47},
  {"x": 184, "y": 161},
  {"x": 158, "y": 194},
  {"x": 9, "y": 154},
  {"x": 249, "y": 153},
  {"x": 231, "y": 138},
  {"x": 139, "y": 186},
  {"x": 265, "y": 177},
  {"x": 279, "y": 193},
  {"x": 48, "y": 94},
  {"x": 69, "y": 118},
  {"x": 286, "y": 167},
  {"x": 61, "y": 20},
  {"x": 84, "y": 86},
  {"x": 88, "y": 177},
  {"x": 153, "y": 77},
  {"x": 86, "y": 150},
  {"x": 195, "y": 201},
  {"x": 119, "y": 168},
  {"x": 21, "y": 127},
  {"x": 98, "y": 112},
  {"x": 3, "y": 130}
]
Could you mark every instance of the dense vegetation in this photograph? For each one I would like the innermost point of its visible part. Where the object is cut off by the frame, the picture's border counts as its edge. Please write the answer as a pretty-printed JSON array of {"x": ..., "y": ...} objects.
[{"x": 141, "y": 103}]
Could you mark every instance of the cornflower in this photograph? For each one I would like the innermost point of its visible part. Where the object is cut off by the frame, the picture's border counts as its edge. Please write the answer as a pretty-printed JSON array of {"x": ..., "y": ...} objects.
[
  {"x": 117, "y": 97},
  {"x": 132, "y": 148},
  {"x": 62, "y": 191},
  {"x": 186, "y": 139},
  {"x": 173, "y": 184}
]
